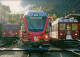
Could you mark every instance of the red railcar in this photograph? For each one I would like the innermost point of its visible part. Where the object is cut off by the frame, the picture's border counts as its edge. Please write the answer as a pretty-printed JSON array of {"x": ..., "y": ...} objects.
[
  {"x": 37, "y": 28},
  {"x": 65, "y": 32},
  {"x": 11, "y": 31}
]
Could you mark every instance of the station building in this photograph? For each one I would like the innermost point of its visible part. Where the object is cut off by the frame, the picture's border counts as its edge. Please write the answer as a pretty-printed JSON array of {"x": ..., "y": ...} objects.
[{"x": 4, "y": 11}]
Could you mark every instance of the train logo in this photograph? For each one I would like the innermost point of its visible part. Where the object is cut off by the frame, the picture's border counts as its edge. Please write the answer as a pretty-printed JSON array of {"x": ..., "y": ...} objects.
[
  {"x": 35, "y": 38},
  {"x": 10, "y": 32}
]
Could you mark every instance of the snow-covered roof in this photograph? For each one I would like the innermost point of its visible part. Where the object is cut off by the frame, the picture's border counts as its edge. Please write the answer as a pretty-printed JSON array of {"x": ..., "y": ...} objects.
[
  {"x": 31, "y": 13},
  {"x": 68, "y": 20},
  {"x": 64, "y": 20}
]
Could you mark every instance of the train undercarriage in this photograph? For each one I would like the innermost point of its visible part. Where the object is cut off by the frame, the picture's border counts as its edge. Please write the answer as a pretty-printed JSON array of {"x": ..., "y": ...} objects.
[
  {"x": 65, "y": 43},
  {"x": 40, "y": 44},
  {"x": 8, "y": 40}
]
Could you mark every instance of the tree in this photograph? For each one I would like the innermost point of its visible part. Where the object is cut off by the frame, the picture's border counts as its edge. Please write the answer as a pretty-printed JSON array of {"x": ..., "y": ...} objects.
[
  {"x": 54, "y": 16},
  {"x": 15, "y": 18}
]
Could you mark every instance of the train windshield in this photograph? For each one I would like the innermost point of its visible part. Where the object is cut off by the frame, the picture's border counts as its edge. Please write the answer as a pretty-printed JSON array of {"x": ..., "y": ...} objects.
[
  {"x": 68, "y": 26},
  {"x": 62, "y": 26},
  {"x": 35, "y": 24},
  {"x": 6, "y": 27},
  {"x": 74, "y": 27},
  {"x": 14, "y": 27}
]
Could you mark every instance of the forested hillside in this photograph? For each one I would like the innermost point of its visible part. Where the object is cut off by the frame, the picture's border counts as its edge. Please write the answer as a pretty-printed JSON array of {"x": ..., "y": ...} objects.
[{"x": 57, "y": 7}]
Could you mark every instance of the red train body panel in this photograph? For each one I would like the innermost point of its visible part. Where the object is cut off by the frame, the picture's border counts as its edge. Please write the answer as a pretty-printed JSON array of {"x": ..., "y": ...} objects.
[{"x": 35, "y": 27}]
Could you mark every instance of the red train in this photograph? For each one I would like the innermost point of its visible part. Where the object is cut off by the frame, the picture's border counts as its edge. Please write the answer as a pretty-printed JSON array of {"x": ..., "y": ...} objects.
[
  {"x": 11, "y": 31},
  {"x": 65, "y": 32},
  {"x": 37, "y": 29}
]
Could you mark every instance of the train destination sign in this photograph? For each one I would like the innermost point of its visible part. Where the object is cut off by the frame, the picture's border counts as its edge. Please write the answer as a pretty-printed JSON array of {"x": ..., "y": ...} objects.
[{"x": 35, "y": 17}]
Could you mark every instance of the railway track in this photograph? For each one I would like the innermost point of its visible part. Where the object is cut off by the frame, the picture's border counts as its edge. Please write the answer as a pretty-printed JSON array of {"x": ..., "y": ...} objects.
[
  {"x": 15, "y": 44},
  {"x": 24, "y": 53},
  {"x": 38, "y": 52},
  {"x": 44, "y": 53}
]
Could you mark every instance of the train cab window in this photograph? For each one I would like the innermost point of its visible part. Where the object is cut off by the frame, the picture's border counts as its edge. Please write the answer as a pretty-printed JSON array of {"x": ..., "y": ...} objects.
[
  {"x": 6, "y": 27},
  {"x": 68, "y": 26},
  {"x": 61, "y": 26},
  {"x": 47, "y": 29},
  {"x": 74, "y": 26},
  {"x": 14, "y": 27}
]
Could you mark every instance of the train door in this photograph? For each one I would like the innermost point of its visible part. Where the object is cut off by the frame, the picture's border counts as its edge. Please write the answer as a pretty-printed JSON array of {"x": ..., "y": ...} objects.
[{"x": 68, "y": 36}]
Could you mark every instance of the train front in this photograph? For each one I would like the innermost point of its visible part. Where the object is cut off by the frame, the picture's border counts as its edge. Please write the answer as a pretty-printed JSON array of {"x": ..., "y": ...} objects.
[
  {"x": 11, "y": 31},
  {"x": 37, "y": 29},
  {"x": 69, "y": 31}
]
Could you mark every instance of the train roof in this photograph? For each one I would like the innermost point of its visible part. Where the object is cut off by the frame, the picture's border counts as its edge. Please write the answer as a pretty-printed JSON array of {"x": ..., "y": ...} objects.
[
  {"x": 64, "y": 20},
  {"x": 68, "y": 20},
  {"x": 31, "y": 13}
]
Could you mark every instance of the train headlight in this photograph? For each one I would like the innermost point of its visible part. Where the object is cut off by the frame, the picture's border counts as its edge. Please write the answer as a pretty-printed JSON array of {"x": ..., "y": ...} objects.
[
  {"x": 60, "y": 33},
  {"x": 75, "y": 33},
  {"x": 25, "y": 36},
  {"x": 16, "y": 33},
  {"x": 4, "y": 33},
  {"x": 46, "y": 36}
]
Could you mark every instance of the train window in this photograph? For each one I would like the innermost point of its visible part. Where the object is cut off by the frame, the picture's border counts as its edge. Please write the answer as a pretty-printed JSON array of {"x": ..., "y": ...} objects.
[
  {"x": 6, "y": 27},
  {"x": 35, "y": 24},
  {"x": 56, "y": 27},
  {"x": 68, "y": 26},
  {"x": 61, "y": 26},
  {"x": 53, "y": 28},
  {"x": 14, "y": 27},
  {"x": 47, "y": 29},
  {"x": 74, "y": 26}
]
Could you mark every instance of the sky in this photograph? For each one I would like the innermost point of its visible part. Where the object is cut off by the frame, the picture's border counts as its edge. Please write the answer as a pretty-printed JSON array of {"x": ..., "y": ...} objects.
[{"x": 15, "y": 6}]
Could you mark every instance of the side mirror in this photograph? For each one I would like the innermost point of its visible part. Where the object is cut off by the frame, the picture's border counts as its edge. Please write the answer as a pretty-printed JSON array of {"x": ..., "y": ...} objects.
[{"x": 22, "y": 18}]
